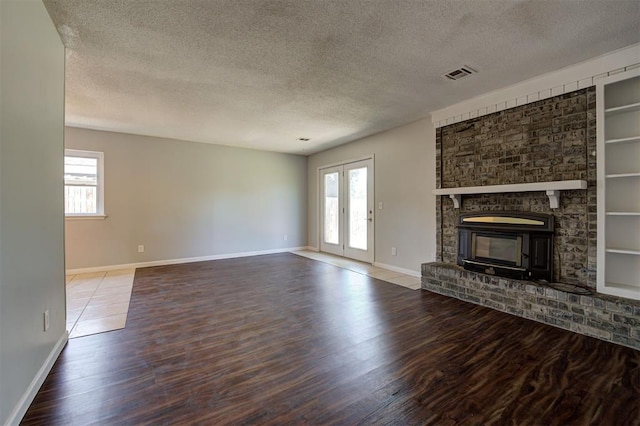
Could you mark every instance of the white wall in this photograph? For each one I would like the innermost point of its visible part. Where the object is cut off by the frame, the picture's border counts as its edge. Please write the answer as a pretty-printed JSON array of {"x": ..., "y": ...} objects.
[
  {"x": 404, "y": 179},
  {"x": 31, "y": 222},
  {"x": 186, "y": 200}
]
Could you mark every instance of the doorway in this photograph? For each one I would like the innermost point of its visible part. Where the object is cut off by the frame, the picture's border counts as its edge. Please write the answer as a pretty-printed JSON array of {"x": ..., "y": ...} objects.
[{"x": 346, "y": 210}]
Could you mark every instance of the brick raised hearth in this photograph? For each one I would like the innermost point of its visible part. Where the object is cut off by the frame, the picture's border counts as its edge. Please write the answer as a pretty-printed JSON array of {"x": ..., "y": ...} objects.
[{"x": 605, "y": 317}]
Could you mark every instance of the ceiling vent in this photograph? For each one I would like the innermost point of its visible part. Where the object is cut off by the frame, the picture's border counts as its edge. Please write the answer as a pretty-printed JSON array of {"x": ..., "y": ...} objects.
[{"x": 459, "y": 73}]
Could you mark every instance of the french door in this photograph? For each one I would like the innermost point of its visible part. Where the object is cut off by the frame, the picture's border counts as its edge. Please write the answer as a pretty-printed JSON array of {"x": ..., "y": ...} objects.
[{"x": 346, "y": 215}]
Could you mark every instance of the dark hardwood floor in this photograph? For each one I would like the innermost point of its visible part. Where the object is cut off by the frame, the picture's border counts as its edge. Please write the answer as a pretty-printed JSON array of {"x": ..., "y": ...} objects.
[{"x": 282, "y": 339}]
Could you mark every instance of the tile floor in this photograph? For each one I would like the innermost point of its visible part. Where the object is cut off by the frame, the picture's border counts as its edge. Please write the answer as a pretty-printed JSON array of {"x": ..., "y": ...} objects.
[
  {"x": 98, "y": 301},
  {"x": 393, "y": 277}
]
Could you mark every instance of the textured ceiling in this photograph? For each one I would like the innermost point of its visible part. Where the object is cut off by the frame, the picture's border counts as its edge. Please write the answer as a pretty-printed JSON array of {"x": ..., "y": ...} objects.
[{"x": 261, "y": 74}]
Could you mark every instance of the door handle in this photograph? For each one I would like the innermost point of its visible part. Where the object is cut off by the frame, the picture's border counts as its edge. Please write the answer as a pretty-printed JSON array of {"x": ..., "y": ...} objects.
[{"x": 369, "y": 219}]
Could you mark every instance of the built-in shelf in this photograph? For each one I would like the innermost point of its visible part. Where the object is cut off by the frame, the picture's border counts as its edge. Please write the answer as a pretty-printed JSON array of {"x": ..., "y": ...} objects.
[
  {"x": 552, "y": 189},
  {"x": 622, "y": 175},
  {"x": 629, "y": 289},
  {"x": 622, "y": 213},
  {"x": 624, "y": 140},
  {"x": 621, "y": 290},
  {"x": 618, "y": 147},
  {"x": 624, "y": 108},
  {"x": 623, "y": 251}
]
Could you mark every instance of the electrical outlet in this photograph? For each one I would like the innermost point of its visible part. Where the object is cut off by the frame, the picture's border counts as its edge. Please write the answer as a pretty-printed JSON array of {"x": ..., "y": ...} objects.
[
  {"x": 141, "y": 248},
  {"x": 46, "y": 320},
  {"x": 394, "y": 251},
  {"x": 285, "y": 237}
]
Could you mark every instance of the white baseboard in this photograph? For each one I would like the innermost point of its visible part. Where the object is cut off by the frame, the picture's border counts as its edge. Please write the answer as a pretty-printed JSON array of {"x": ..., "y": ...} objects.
[
  {"x": 107, "y": 268},
  {"x": 417, "y": 274},
  {"x": 27, "y": 398},
  {"x": 397, "y": 269}
]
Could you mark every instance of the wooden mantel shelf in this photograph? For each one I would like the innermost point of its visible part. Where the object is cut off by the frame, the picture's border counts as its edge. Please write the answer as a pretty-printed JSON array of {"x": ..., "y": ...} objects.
[{"x": 552, "y": 189}]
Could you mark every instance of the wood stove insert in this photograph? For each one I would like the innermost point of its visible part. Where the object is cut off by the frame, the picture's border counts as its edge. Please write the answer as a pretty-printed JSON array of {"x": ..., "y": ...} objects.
[{"x": 510, "y": 244}]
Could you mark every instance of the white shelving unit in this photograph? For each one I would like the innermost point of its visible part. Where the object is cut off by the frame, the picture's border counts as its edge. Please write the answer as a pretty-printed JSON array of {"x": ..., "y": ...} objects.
[{"x": 618, "y": 126}]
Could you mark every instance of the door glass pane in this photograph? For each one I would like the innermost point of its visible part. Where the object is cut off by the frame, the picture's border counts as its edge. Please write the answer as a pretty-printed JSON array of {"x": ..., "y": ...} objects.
[
  {"x": 331, "y": 208},
  {"x": 358, "y": 208}
]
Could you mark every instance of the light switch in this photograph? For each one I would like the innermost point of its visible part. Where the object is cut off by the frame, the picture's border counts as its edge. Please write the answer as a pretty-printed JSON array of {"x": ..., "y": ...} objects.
[{"x": 380, "y": 205}]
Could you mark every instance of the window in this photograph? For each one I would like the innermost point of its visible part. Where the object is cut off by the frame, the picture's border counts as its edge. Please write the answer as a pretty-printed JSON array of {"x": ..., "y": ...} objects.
[{"x": 83, "y": 183}]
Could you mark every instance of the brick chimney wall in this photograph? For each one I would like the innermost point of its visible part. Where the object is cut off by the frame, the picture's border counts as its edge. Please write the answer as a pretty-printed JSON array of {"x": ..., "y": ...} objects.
[{"x": 549, "y": 140}]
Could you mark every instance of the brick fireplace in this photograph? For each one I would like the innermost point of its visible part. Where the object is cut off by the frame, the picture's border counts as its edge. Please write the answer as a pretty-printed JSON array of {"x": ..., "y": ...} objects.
[{"x": 549, "y": 140}]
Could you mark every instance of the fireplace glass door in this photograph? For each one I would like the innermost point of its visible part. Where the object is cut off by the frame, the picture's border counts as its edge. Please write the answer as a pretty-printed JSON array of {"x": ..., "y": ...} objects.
[{"x": 499, "y": 249}]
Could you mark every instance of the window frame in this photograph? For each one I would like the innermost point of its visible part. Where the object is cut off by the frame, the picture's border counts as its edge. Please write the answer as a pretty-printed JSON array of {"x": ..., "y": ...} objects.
[{"x": 99, "y": 156}]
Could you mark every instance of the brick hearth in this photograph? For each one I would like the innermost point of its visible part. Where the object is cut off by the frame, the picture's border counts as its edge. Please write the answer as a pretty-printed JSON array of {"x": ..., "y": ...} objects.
[{"x": 607, "y": 318}]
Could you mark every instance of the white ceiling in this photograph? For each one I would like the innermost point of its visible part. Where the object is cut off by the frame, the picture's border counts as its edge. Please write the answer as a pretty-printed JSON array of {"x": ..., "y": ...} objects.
[{"x": 261, "y": 74}]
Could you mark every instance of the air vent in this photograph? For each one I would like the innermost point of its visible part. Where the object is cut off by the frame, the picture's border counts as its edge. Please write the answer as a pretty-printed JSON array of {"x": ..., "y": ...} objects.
[{"x": 459, "y": 73}]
